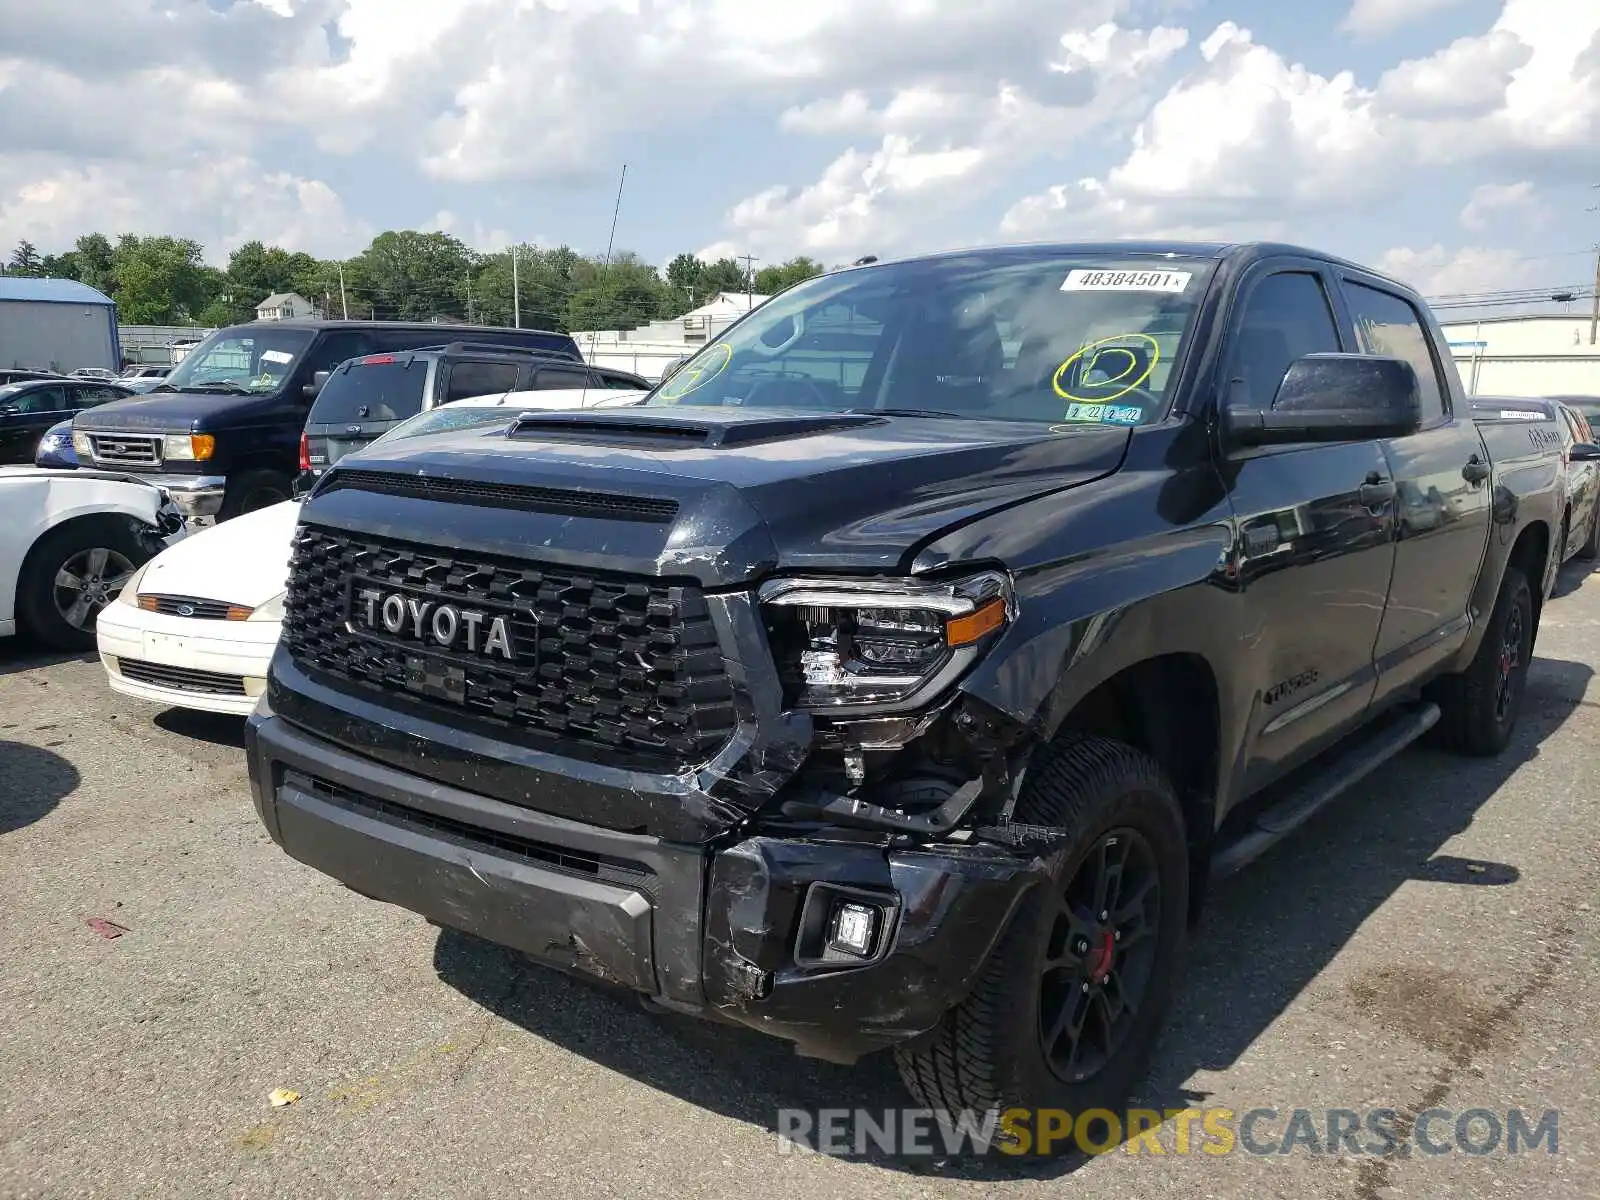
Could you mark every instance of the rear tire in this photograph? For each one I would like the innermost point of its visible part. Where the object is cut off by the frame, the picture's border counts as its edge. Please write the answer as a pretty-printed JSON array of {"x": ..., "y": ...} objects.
[
  {"x": 254, "y": 490},
  {"x": 70, "y": 575},
  {"x": 1479, "y": 706},
  {"x": 1067, "y": 1010}
]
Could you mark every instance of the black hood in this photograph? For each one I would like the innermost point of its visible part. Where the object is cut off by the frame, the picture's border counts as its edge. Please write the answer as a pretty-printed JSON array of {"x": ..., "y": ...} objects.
[
  {"x": 718, "y": 495},
  {"x": 179, "y": 412}
]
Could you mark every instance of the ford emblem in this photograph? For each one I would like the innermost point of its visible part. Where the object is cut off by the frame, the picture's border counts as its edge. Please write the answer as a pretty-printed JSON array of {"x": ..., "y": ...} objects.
[{"x": 186, "y": 610}]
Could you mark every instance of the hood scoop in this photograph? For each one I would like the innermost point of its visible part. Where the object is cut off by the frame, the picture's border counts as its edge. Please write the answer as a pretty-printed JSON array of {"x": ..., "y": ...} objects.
[{"x": 630, "y": 428}]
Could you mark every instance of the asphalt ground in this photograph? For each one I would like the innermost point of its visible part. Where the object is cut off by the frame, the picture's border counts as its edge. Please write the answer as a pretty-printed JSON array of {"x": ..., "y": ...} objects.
[{"x": 1430, "y": 943}]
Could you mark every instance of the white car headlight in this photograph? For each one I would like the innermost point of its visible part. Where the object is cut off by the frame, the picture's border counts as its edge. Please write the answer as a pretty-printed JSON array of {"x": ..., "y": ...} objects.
[
  {"x": 855, "y": 647},
  {"x": 272, "y": 610},
  {"x": 130, "y": 590},
  {"x": 81, "y": 446}
]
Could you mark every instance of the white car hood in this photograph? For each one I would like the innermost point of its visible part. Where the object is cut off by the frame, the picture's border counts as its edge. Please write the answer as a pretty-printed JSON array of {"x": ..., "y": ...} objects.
[{"x": 241, "y": 561}]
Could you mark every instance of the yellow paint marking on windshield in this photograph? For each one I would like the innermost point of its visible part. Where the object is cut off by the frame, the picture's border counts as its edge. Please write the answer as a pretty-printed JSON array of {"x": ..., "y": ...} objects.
[
  {"x": 1099, "y": 349},
  {"x": 695, "y": 375}
]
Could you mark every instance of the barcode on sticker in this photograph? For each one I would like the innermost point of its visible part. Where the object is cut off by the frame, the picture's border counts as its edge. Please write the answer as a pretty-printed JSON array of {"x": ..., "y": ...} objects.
[{"x": 1085, "y": 280}]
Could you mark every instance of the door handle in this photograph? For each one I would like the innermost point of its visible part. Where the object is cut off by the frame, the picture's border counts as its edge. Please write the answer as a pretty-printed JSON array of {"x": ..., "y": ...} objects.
[
  {"x": 1376, "y": 491},
  {"x": 1476, "y": 470}
]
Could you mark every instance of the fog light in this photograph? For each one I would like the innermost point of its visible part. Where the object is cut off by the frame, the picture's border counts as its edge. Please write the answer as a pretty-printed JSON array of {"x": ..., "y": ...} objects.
[{"x": 853, "y": 929}]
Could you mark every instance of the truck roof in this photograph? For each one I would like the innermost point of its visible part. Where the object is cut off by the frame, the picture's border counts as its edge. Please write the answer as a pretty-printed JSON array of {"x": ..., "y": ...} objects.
[
  {"x": 1239, "y": 253},
  {"x": 447, "y": 333},
  {"x": 49, "y": 291}
]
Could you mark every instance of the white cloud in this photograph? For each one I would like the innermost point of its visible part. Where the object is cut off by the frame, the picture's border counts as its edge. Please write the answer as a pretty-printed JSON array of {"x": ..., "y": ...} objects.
[
  {"x": 1373, "y": 18},
  {"x": 1470, "y": 270},
  {"x": 1491, "y": 200},
  {"x": 941, "y": 147},
  {"x": 1250, "y": 140},
  {"x": 219, "y": 202}
]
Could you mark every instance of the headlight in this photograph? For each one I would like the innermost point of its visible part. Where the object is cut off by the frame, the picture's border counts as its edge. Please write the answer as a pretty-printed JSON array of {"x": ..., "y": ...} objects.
[
  {"x": 81, "y": 446},
  {"x": 272, "y": 610},
  {"x": 877, "y": 646},
  {"x": 50, "y": 441},
  {"x": 130, "y": 590},
  {"x": 188, "y": 447}
]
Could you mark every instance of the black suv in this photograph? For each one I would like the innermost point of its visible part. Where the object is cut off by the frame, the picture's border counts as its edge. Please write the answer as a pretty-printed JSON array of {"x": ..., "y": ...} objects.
[
  {"x": 222, "y": 432},
  {"x": 366, "y": 397}
]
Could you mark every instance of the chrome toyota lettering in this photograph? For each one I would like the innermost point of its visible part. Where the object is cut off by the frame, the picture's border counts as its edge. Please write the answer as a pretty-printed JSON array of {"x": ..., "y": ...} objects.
[{"x": 444, "y": 625}]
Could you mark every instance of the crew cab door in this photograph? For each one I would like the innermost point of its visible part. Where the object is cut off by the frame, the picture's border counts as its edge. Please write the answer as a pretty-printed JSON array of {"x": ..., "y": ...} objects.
[
  {"x": 1314, "y": 542},
  {"x": 1442, "y": 478}
]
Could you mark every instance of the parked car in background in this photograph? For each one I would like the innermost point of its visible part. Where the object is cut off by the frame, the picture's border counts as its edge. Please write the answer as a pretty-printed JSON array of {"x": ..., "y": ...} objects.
[
  {"x": 101, "y": 373},
  {"x": 196, "y": 625},
  {"x": 1589, "y": 406},
  {"x": 21, "y": 375},
  {"x": 366, "y": 397},
  {"x": 70, "y": 543},
  {"x": 222, "y": 431},
  {"x": 1579, "y": 534},
  {"x": 55, "y": 448},
  {"x": 144, "y": 376},
  {"x": 29, "y": 409}
]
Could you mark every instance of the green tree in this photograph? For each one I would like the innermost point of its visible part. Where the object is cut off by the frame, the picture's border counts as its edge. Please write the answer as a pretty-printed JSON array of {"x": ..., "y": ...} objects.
[
  {"x": 784, "y": 275},
  {"x": 96, "y": 262},
  {"x": 622, "y": 294},
  {"x": 256, "y": 271},
  {"x": 410, "y": 276},
  {"x": 724, "y": 275},
  {"x": 161, "y": 280},
  {"x": 25, "y": 260}
]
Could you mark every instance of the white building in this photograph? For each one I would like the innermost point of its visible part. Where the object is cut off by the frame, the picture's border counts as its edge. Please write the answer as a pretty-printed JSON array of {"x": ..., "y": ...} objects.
[
  {"x": 650, "y": 349},
  {"x": 1527, "y": 356},
  {"x": 284, "y": 306}
]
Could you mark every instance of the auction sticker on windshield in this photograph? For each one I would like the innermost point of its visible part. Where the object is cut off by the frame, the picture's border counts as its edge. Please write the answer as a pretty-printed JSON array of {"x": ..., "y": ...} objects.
[
  {"x": 1086, "y": 280},
  {"x": 1109, "y": 414},
  {"x": 277, "y": 356}
]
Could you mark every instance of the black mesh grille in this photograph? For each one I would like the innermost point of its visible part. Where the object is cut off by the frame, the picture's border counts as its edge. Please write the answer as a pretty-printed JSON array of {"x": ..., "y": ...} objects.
[
  {"x": 605, "y": 664},
  {"x": 182, "y": 679}
]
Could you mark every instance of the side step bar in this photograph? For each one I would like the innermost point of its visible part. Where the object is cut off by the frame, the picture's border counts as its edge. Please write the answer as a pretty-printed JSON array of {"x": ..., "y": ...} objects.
[{"x": 1348, "y": 767}]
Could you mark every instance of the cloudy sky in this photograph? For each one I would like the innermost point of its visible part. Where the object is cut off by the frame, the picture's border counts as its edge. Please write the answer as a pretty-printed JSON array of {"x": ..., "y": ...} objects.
[{"x": 1453, "y": 141}]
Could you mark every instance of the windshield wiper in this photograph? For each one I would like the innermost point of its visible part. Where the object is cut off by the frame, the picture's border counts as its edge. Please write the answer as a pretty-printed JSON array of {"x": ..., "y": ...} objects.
[
  {"x": 231, "y": 389},
  {"x": 907, "y": 412},
  {"x": 163, "y": 387}
]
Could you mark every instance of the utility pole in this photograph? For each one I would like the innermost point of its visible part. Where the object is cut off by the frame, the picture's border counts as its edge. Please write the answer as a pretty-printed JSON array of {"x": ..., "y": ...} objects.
[
  {"x": 516, "y": 291},
  {"x": 344, "y": 305},
  {"x": 470, "y": 320},
  {"x": 1594, "y": 316},
  {"x": 749, "y": 261}
]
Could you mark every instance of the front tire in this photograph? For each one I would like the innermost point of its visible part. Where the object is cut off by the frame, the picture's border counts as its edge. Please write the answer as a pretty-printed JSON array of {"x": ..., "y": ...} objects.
[
  {"x": 1479, "y": 706},
  {"x": 69, "y": 577},
  {"x": 1066, "y": 1011},
  {"x": 254, "y": 490}
]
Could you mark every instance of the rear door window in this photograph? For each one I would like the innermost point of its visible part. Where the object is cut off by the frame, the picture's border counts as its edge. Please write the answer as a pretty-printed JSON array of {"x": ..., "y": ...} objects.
[
  {"x": 469, "y": 378},
  {"x": 1389, "y": 325},
  {"x": 384, "y": 387},
  {"x": 560, "y": 377}
]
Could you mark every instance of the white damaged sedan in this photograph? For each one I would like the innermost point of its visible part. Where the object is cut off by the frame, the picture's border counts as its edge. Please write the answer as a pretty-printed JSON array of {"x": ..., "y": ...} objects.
[{"x": 196, "y": 626}]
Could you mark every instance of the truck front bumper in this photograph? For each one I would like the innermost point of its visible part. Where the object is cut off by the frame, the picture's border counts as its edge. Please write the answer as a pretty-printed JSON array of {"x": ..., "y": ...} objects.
[
  {"x": 195, "y": 495},
  {"x": 735, "y": 932}
]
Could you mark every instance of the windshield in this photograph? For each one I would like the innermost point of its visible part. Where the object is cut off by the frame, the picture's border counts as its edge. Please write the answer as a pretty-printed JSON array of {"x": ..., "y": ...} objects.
[
  {"x": 240, "y": 360},
  {"x": 448, "y": 418},
  {"x": 1081, "y": 339}
]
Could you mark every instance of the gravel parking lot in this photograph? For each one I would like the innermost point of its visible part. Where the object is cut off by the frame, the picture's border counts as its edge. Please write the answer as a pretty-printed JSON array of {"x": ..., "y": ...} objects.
[{"x": 1432, "y": 942}]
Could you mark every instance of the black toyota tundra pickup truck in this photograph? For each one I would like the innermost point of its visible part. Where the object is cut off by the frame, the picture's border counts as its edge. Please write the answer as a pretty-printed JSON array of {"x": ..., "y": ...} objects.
[
  {"x": 900, "y": 670},
  {"x": 222, "y": 432}
]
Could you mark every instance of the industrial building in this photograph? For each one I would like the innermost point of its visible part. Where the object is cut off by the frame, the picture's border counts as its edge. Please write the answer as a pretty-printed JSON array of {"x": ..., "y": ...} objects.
[
  {"x": 650, "y": 349},
  {"x": 1555, "y": 355},
  {"x": 56, "y": 325}
]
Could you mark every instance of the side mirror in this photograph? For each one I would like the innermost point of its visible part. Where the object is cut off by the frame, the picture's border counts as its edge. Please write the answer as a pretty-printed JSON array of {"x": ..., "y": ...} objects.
[
  {"x": 310, "y": 390},
  {"x": 1333, "y": 398},
  {"x": 674, "y": 367},
  {"x": 1583, "y": 452}
]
